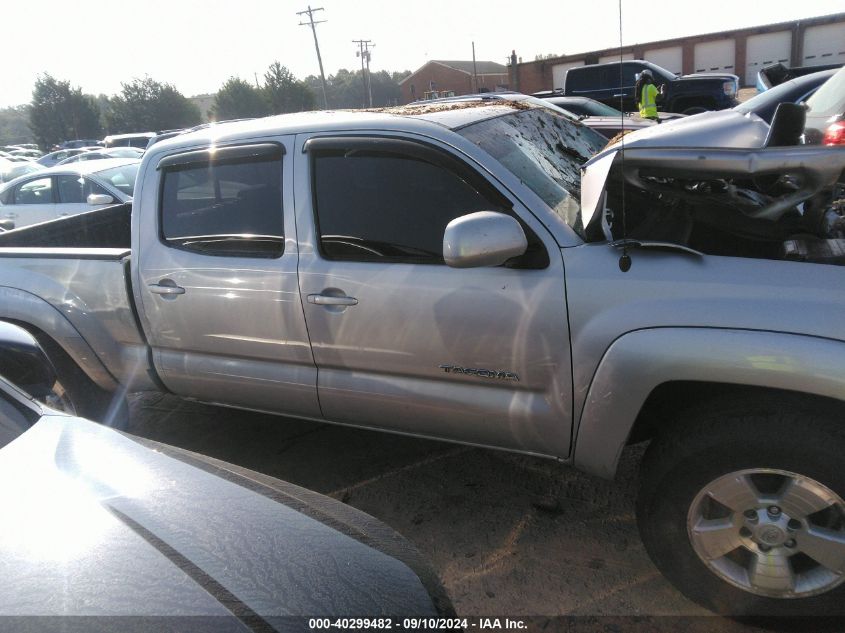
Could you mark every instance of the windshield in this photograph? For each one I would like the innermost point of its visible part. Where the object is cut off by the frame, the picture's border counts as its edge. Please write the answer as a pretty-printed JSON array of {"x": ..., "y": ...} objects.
[
  {"x": 545, "y": 150},
  {"x": 121, "y": 178}
]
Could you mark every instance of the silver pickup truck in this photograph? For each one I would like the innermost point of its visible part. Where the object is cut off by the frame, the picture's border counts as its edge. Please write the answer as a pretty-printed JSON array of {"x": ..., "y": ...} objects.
[{"x": 490, "y": 273}]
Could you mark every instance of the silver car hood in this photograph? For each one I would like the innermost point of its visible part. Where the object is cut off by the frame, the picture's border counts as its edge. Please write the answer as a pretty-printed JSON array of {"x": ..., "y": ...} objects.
[
  {"x": 98, "y": 523},
  {"x": 722, "y": 129}
]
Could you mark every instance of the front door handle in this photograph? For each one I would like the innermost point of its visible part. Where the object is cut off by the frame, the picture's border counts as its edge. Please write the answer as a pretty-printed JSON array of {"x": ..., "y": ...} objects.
[
  {"x": 167, "y": 289},
  {"x": 329, "y": 300}
]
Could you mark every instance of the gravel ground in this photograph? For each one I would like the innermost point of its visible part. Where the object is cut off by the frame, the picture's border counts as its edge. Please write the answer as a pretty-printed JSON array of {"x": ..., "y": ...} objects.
[{"x": 507, "y": 534}]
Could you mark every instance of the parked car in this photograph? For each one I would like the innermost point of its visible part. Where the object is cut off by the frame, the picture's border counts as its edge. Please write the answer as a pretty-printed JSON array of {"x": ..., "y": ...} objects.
[
  {"x": 113, "y": 152},
  {"x": 776, "y": 74},
  {"x": 796, "y": 90},
  {"x": 117, "y": 525},
  {"x": 48, "y": 160},
  {"x": 615, "y": 81},
  {"x": 79, "y": 143},
  {"x": 138, "y": 140},
  {"x": 825, "y": 119},
  {"x": 9, "y": 170},
  {"x": 67, "y": 190},
  {"x": 611, "y": 121},
  {"x": 466, "y": 271}
]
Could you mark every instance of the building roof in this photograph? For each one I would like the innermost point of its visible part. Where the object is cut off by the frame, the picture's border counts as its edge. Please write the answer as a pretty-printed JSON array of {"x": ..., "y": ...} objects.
[{"x": 481, "y": 67}]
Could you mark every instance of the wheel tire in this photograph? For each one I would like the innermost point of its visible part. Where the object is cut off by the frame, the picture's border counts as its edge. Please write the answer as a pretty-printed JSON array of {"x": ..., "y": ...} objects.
[
  {"x": 783, "y": 434},
  {"x": 695, "y": 110},
  {"x": 75, "y": 393}
]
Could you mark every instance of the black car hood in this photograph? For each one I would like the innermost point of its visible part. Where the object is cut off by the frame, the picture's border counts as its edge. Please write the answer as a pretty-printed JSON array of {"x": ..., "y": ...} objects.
[{"x": 98, "y": 523}]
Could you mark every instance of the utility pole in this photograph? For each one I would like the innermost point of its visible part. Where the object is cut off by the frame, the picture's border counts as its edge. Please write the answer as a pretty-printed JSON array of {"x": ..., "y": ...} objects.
[
  {"x": 312, "y": 23},
  {"x": 364, "y": 53},
  {"x": 474, "y": 72}
]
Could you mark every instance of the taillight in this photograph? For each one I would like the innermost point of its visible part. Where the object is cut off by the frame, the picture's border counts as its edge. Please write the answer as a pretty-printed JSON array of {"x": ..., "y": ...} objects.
[{"x": 834, "y": 134}]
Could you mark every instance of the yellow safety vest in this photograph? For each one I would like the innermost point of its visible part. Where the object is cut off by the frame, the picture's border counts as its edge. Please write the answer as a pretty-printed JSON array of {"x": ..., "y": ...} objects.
[{"x": 648, "y": 102}]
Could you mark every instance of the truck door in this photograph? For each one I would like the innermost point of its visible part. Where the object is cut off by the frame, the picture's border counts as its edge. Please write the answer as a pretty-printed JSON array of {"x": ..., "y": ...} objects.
[
  {"x": 406, "y": 343},
  {"x": 216, "y": 281}
]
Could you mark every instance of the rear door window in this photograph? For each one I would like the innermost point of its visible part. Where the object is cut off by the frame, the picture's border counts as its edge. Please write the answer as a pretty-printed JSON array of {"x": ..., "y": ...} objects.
[{"x": 224, "y": 207}]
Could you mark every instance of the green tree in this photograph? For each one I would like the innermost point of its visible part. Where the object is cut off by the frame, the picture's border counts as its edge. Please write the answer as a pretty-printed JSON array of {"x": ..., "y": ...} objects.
[
  {"x": 148, "y": 105},
  {"x": 14, "y": 125},
  {"x": 284, "y": 92},
  {"x": 238, "y": 99},
  {"x": 345, "y": 89},
  {"x": 59, "y": 112}
]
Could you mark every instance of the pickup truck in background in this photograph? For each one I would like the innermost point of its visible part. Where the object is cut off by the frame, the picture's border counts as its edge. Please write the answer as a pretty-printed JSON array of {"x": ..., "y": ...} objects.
[
  {"x": 489, "y": 273},
  {"x": 614, "y": 82}
]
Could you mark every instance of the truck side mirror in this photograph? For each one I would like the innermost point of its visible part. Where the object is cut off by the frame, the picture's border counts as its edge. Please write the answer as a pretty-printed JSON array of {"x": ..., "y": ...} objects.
[
  {"x": 99, "y": 198},
  {"x": 484, "y": 238}
]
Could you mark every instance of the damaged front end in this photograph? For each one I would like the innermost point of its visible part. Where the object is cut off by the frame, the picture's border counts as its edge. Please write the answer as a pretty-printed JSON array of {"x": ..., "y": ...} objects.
[{"x": 783, "y": 203}]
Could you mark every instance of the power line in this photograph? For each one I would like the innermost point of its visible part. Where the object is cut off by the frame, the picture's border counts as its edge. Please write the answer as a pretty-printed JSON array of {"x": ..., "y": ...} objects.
[
  {"x": 312, "y": 24},
  {"x": 364, "y": 53}
]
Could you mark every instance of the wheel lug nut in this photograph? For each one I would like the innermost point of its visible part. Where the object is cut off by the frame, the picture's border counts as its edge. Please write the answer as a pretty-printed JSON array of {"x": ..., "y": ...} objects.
[
  {"x": 794, "y": 524},
  {"x": 750, "y": 514},
  {"x": 790, "y": 543},
  {"x": 774, "y": 511}
]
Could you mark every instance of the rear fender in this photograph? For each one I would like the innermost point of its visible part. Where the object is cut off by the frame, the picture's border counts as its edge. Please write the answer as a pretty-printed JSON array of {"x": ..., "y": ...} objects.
[{"x": 29, "y": 311}]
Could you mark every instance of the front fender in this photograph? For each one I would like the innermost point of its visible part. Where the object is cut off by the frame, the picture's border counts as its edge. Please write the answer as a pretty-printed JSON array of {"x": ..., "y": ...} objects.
[{"x": 638, "y": 362}]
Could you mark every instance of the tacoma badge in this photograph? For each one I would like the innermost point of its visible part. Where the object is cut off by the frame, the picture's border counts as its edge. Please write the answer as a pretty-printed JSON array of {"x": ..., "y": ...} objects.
[{"x": 483, "y": 373}]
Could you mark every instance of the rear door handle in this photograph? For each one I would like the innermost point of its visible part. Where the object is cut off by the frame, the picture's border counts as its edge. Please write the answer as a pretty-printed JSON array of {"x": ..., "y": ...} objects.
[
  {"x": 166, "y": 289},
  {"x": 329, "y": 300}
]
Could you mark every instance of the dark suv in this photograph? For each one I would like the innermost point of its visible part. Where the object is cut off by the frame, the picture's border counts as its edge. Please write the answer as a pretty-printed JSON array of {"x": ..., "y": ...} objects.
[{"x": 614, "y": 82}]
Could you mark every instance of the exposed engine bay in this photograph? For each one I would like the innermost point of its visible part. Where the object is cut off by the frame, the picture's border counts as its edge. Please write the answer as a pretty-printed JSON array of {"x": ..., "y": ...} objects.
[{"x": 779, "y": 209}]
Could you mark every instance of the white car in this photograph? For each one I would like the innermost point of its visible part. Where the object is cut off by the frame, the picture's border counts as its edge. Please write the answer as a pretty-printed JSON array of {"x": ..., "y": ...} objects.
[{"x": 66, "y": 190}]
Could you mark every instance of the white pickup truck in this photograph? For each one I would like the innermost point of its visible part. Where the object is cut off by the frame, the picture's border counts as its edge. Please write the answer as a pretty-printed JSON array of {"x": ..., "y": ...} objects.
[{"x": 478, "y": 272}]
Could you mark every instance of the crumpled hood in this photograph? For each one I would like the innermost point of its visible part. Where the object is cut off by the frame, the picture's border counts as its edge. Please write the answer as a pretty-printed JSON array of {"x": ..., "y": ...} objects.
[
  {"x": 723, "y": 129},
  {"x": 97, "y": 523}
]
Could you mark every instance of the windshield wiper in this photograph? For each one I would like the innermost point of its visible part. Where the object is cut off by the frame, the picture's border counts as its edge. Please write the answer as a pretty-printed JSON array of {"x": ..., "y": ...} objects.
[{"x": 667, "y": 246}]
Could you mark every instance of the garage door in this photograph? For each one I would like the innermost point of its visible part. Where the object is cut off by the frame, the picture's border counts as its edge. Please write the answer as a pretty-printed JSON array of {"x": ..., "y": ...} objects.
[
  {"x": 824, "y": 44},
  {"x": 715, "y": 57},
  {"x": 765, "y": 50},
  {"x": 614, "y": 58},
  {"x": 670, "y": 58},
  {"x": 559, "y": 73}
]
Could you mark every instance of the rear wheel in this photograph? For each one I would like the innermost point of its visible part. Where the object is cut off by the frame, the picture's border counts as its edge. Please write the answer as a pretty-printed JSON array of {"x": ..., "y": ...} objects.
[
  {"x": 742, "y": 507},
  {"x": 75, "y": 393}
]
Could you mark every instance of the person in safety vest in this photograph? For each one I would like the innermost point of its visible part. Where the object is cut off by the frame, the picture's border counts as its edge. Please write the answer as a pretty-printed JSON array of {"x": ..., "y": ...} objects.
[{"x": 647, "y": 95}]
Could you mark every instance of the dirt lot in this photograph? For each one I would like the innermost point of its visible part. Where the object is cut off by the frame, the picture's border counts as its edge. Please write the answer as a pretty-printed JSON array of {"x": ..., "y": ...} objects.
[{"x": 507, "y": 534}]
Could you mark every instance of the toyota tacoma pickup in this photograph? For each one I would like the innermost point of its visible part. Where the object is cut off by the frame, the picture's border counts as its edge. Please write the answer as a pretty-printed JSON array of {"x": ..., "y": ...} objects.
[{"x": 491, "y": 274}]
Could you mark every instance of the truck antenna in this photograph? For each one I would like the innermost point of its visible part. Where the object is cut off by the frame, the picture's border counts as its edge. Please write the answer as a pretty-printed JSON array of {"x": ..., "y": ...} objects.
[{"x": 625, "y": 259}]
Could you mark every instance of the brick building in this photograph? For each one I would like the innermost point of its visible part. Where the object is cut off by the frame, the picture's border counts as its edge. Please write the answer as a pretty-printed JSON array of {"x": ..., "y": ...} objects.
[
  {"x": 742, "y": 52},
  {"x": 459, "y": 76}
]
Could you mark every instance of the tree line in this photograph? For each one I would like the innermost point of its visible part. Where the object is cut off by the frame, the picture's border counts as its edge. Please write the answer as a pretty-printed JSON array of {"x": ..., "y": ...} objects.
[{"x": 60, "y": 112}]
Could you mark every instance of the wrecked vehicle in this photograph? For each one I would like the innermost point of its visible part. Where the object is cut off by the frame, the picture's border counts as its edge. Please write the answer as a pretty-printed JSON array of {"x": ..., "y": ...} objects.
[
  {"x": 485, "y": 272},
  {"x": 101, "y": 524}
]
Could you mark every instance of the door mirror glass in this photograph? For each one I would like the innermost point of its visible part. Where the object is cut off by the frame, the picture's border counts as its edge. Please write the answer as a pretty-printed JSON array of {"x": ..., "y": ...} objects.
[
  {"x": 99, "y": 198},
  {"x": 484, "y": 238}
]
